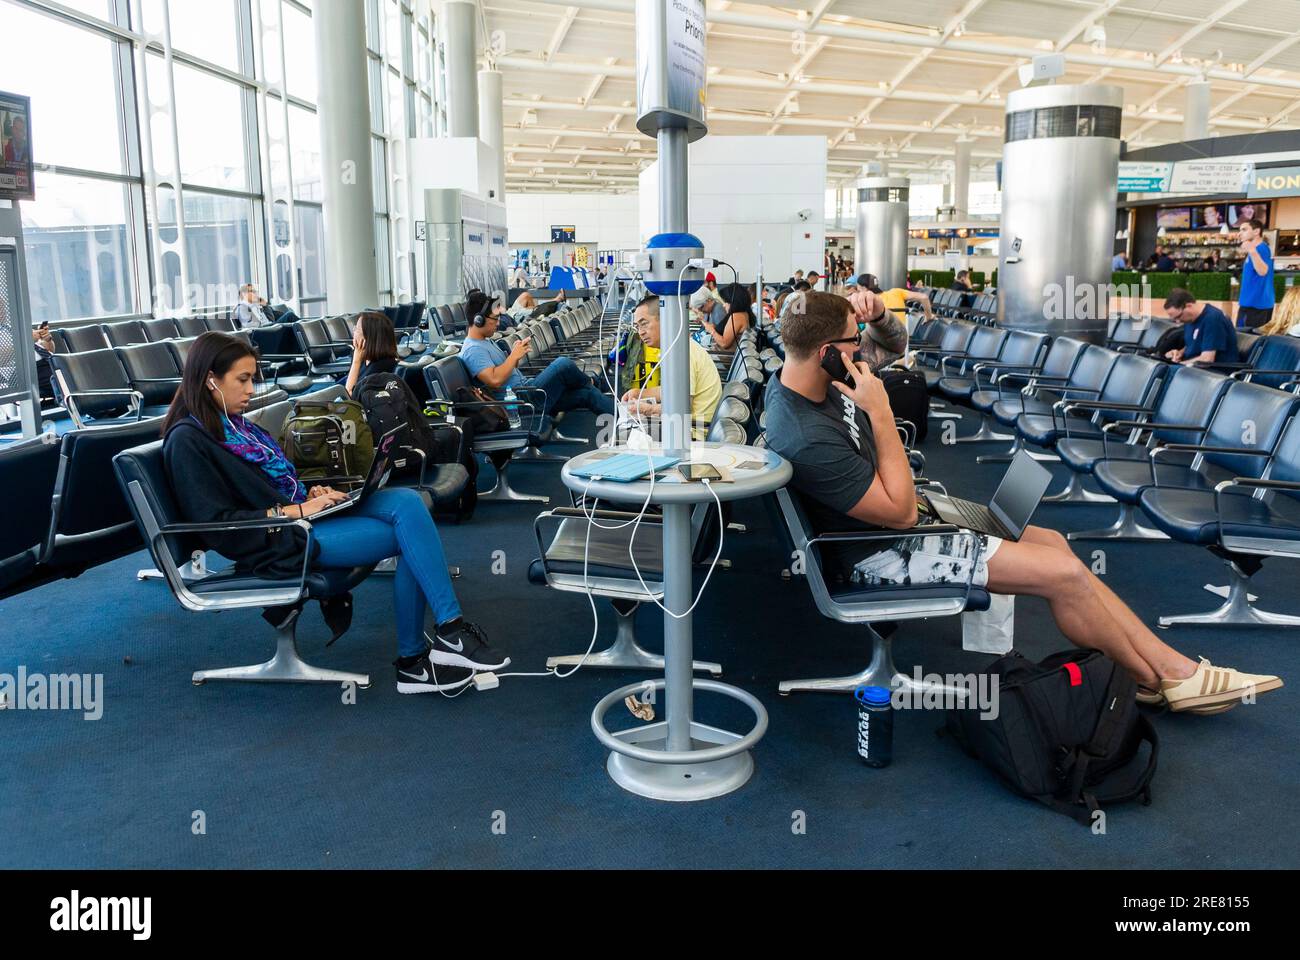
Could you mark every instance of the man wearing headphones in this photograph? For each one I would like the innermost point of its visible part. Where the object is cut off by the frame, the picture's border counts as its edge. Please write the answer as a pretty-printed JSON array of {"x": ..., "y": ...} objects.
[{"x": 566, "y": 386}]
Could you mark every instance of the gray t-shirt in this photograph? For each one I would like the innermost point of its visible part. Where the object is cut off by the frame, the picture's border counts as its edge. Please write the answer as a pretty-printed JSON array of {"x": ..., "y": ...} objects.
[{"x": 831, "y": 448}]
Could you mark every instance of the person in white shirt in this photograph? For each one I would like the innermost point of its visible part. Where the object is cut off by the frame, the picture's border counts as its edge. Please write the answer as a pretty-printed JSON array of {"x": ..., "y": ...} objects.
[
  {"x": 702, "y": 300},
  {"x": 252, "y": 311},
  {"x": 521, "y": 277}
]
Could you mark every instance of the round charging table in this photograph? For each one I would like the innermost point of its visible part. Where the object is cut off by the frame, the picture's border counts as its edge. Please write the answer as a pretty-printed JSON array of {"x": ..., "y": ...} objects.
[{"x": 678, "y": 758}]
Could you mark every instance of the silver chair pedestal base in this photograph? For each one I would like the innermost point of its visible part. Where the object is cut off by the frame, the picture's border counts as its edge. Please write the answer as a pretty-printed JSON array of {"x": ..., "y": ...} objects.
[
  {"x": 535, "y": 455},
  {"x": 502, "y": 492},
  {"x": 1237, "y": 610},
  {"x": 558, "y": 437},
  {"x": 1076, "y": 492},
  {"x": 1011, "y": 455},
  {"x": 287, "y": 666},
  {"x": 1126, "y": 527},
  {"x": 881, "y": 672},
  {"x": 625, "y": 653},
  {"x": 985, "y": 432},
  {"x": 1223, "y": 591}
]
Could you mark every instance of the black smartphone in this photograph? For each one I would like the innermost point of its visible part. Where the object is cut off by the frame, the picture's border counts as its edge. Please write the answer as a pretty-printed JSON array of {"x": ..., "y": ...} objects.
[
  {"x": 699, "y": 471},
  {"x": 833, "y": 363}
]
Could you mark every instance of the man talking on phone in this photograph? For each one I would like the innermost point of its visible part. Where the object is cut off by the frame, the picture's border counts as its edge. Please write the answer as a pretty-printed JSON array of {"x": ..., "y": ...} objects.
[
  {"x": 829, "y": 415},
  {"x": 567, "y": 387}
]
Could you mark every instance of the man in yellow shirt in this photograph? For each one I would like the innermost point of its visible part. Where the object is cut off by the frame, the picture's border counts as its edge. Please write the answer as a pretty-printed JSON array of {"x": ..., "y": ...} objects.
[{"x": 706, "y": 385}]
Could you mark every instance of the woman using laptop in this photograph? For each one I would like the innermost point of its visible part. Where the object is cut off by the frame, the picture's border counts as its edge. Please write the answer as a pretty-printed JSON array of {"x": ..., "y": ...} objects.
[{"x": 224, "y": 468}]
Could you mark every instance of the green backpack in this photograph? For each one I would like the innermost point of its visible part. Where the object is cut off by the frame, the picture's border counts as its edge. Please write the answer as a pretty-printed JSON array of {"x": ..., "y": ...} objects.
[{"x": 328, "y": 440}]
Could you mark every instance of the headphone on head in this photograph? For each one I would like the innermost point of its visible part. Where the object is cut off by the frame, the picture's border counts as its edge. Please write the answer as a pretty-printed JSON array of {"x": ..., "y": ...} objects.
[{"x": 480, "y": 320}]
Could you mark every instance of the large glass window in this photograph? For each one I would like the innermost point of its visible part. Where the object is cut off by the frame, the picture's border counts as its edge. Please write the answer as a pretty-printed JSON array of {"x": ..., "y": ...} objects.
[
  {"x": 72, "y": 76},
  {"x": 210, "y": 125},
  {"x": 208, "y": 29},
  {"x": 79, "y": 238},
  {"x": 219, "y": 247},
  {"x": 299, "y": 53}
]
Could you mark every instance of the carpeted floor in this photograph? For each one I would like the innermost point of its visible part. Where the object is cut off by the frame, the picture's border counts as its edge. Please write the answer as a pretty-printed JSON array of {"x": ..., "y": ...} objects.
[{"x": 290, "y": 776}]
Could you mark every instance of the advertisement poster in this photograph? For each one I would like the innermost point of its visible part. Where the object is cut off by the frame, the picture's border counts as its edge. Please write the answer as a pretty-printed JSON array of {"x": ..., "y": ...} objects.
[
  {"x": 671, "y": 70},
  {"x": 16, "y": 168}
]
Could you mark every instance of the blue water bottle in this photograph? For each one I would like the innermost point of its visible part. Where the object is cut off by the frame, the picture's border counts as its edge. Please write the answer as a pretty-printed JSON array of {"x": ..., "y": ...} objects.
[{"x": 875, "y": 725}]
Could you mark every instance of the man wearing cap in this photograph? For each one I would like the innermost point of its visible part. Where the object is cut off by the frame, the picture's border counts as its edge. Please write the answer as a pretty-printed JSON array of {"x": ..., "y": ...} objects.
[
  {"x": 566, "y": 386},
  {"x": 703, "y": 299}
]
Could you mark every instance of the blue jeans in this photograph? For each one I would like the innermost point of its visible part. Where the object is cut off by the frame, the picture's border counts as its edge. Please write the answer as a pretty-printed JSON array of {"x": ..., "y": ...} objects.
[
  {"x": 568, "y": 388},
  {"x": 394, "y": 523}
]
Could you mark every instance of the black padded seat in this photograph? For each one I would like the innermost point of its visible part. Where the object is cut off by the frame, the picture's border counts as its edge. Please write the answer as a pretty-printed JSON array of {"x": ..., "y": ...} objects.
[
  {"x": 1190, "y": 517},
  {"x": 83, "y": 339},
  {"x": 27, "y": 473},
  {"x": 162, "y": 329},
  {"x": 84, "y": 374},
  {"x": 190, "y": 326},
  {"x": 152, "y": 370},
  {"x": 607, "y": 554},
  {"x": 854, "y": 593},
  {"x": 1045, "y": 430},
  {"x": 124, "y": 333}
]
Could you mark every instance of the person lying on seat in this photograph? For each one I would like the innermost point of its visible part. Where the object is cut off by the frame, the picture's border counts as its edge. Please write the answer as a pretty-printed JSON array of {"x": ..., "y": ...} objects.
[
  {"x": 525, "y": 306},
  {"x": 566, "y": 386},
  {"x": 1209, "y": 334},
  {"x": 706, "y": 385},
  {"x": 224, "y": 468},
  {"x": 852, "y": 472}
]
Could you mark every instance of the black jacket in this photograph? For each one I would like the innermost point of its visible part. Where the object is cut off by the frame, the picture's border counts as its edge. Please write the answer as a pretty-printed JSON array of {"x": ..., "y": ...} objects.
[{"x": 213, "y": 485}]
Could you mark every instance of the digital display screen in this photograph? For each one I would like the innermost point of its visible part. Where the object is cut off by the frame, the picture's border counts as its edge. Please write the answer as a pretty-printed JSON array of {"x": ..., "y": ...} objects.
[
  {"x": 16, "y": 168},
  {"x": 1210, "y": 216},
  {"x": 1174, "y": 218},
  {"x": 563, "y": 234},
  {"x": 1238, "y": 213}
]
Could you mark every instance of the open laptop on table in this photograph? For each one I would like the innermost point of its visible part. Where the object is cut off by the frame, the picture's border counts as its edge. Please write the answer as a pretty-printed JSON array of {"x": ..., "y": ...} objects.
[
  {"x": 1011, "y": 508},
  {"x": 380, "y": 468}
]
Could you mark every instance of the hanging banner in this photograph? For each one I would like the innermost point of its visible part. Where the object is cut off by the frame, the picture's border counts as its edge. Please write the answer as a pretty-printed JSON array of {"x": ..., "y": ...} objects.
[
  {"x": 1275, "y": 182},
  {"x": 670, "y": 65},
  {"x": 1211, "y": 176},
  {"x": 1137, "y": 177},
  {"x": 16, "y": 167}
]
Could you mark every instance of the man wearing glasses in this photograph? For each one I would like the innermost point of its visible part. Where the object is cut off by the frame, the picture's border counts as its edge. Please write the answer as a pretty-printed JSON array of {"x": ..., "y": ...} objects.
[
  {"x": 1208, "y": 334},
  {"x": 706, "y": 385},
  {"x": 832, "y": 420}
]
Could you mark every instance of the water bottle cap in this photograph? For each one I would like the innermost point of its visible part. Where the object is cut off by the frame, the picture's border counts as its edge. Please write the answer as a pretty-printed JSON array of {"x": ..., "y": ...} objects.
[{"x": 872, "y": 696}]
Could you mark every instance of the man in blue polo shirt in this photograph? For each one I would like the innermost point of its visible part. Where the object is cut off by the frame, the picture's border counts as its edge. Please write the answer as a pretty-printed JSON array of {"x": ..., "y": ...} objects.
[
  {"x": 1209, "y": 336},
  {"x": 1255, "y": 302}
]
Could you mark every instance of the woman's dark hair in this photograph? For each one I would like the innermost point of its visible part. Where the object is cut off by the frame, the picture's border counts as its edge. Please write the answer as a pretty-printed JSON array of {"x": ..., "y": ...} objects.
[
  {"x": 380, "y": 336},
  {"x": 211, "y": 353}
]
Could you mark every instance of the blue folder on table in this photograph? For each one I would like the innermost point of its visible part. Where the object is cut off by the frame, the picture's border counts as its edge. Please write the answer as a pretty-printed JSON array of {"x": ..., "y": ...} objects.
[{"x": 625, "y": 467}]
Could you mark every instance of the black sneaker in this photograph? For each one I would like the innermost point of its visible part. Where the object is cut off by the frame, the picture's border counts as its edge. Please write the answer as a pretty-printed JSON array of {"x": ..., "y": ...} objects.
[
  {"x": 460, "y": 643},
  {"x": 422, "y": 675}
]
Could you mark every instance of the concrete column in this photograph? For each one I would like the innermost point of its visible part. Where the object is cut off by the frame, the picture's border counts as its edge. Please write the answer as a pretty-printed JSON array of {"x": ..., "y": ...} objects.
[
  {"x": 458, "y": 33},
  {"x": 343, "y": 106},
  {"x": 1196, "y": 117},
  {"x": 961, "y": 178},
  {"x": 490, "y": 126}
]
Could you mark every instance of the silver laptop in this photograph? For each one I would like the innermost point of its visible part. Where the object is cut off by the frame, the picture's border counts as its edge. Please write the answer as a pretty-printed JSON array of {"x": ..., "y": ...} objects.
[
  {"x": 380, "y": 468},
  {"x": 1011, "y": 508}
]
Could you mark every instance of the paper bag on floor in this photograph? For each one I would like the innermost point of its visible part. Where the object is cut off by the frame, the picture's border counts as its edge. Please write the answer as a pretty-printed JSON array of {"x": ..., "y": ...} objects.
[{"x": 991, "y": 630}]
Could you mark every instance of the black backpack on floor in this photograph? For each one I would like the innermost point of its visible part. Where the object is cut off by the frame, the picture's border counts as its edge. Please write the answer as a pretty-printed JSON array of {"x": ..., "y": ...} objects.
[
  {"x": 908, "y": 398},
  {"x": 1067, "y": 733}
]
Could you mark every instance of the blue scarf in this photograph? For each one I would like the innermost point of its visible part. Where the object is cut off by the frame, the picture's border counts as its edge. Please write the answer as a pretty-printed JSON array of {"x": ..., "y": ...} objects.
[{"x": 254, "y": 445}]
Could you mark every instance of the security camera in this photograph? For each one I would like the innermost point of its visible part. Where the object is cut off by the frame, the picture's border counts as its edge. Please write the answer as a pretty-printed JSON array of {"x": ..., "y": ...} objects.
[
  {"x": 805, "y": 215},
  {"x": 1041, "y": 69}
]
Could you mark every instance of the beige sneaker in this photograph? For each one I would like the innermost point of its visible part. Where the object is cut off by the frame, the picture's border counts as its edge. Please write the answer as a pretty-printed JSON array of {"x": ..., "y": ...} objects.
[{"x": 1214, "y": 689}]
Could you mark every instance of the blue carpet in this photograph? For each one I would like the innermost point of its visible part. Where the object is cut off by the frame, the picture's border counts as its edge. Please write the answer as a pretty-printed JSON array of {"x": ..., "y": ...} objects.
[{"x": 289, "y": 776}]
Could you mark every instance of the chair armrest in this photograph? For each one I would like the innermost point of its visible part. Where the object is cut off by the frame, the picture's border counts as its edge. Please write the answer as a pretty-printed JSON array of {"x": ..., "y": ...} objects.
[
  {"x": 1260, "y": 484},
  {"x": 135, "y": 398},
  {"x": 187, "y": 597},
  {"x": 1251, "y": 371},
  {"x": 1197, "y": 448},
  {"x": 1103, "y": 405},
  {"x": 1154, "y": 424}
]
